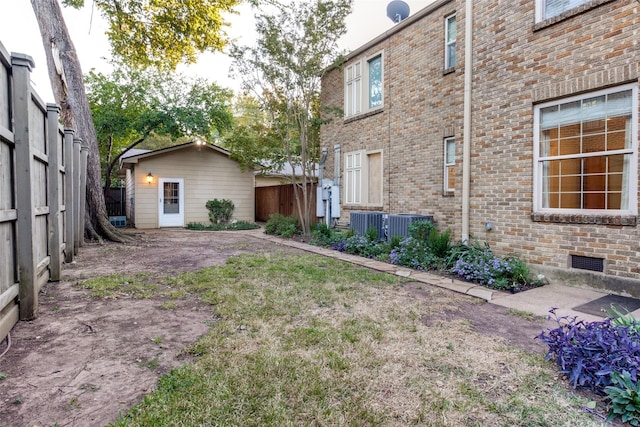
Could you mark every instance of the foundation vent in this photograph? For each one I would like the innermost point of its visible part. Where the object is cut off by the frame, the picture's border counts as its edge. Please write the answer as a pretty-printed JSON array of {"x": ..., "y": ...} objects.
[{"x": 587, "y": 263}]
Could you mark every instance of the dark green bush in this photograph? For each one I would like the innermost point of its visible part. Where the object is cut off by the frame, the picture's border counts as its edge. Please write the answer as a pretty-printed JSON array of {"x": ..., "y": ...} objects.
[
  {"x": 239, "y": 225},
  {"x": 220, "y": 210},
  {"x": 323, "y": 235},
  {"x": 420, "y": 230},
  {"x": 414, "y": 253},
  {"x": 425, "y": 232},
  {"x": 624, "y": 395},
  {"x": 280, "y": 225}
]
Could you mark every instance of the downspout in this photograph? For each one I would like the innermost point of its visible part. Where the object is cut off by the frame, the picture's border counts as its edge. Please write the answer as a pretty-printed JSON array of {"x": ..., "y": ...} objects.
[{"x": 466, "y": 143}]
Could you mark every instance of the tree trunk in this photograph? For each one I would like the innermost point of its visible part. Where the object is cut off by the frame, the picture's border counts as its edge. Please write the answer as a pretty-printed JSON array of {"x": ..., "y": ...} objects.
[{"x": 69, "y": 92}]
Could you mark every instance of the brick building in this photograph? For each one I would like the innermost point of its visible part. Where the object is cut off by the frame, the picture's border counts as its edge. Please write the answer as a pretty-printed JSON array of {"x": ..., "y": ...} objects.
[{"x": 546, "y": 167}]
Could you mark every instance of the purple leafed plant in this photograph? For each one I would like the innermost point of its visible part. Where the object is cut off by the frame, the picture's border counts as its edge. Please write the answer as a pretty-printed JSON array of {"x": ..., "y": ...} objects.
[{"x": 588, "y": 353}]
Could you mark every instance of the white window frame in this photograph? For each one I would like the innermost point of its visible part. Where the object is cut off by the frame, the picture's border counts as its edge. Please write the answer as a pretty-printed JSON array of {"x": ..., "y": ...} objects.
[
  {"x": 357, "y": 178},
  {"x": 356, "y": 86},
  {"x": 449, "y": 162},
  {"x": 449, "y": 61},
  {"x": 353, "y": 178},
  {"x": 368, "y": 96},
  {"x": 353, "y": 89},
  {"x": 541, "y": 8},
  {"x": 632, "y": 175}
]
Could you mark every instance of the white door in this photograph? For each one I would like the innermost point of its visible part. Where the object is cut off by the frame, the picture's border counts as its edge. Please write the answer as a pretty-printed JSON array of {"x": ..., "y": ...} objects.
[{"x": 171, "y": 202}]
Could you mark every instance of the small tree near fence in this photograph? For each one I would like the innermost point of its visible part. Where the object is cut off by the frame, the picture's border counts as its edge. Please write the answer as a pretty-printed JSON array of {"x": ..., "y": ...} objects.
[{"x": 220, "y": 210}]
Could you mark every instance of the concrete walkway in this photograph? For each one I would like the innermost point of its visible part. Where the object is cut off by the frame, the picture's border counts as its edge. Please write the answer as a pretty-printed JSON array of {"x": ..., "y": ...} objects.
[{"x": 537, "y": 301}]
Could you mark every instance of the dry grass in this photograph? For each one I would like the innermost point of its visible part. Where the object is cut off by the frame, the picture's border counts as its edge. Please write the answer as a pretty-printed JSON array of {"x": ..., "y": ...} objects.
[{"x": 306, "y": 340}]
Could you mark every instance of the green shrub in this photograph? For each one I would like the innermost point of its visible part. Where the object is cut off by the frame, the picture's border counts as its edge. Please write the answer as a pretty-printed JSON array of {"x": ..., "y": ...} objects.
[
  {"x": 420, "y": 230},
  {"x": 323, "y": 235},
  {"x": 196, "y": 226},
  {"x": 624, "y": 395},
  {"x": 621, "y": 319},
  {"x": 280, "y": 225},
  {"x": 414, "y": 253},
  {"x": 477, "y": 263},
  {"x": 238, "y": 225},
  {"x": 363, "y": 246},
  {"x": 372, "y": 234},
  {"x": 438, "y": 243},
  {"x": 220, "y": 210}
]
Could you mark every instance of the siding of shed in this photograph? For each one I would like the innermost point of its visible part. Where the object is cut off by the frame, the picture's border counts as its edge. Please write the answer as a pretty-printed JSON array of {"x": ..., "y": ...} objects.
[{"x": 207, "y": 175}]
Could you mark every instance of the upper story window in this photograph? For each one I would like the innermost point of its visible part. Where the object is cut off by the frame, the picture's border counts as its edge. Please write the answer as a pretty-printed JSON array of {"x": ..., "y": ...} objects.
[
  {"x": 450, "y": 33},
  {"x": 353, "y": 89},
  {"x": 375, "y": 82},
  {"x": 364, "y": 86},
  {"x": 586, "y": 153},
  {"x": 546, "y": 9}
]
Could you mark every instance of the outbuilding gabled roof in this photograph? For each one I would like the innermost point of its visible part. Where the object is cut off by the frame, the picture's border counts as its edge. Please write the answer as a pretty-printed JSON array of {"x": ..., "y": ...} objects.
[{"x": 133, "y": 158}]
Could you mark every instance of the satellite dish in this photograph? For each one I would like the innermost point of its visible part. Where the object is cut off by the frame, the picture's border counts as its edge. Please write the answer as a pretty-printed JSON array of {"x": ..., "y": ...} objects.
[{"x": 397, "y": 10}]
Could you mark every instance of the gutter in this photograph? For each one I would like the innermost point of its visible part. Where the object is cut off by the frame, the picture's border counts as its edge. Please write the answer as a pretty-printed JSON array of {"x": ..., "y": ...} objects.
[{"x": 466, "y": 143}]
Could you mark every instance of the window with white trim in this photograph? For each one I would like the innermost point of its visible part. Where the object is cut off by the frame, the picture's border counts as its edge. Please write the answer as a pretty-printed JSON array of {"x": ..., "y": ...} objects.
[
  {"x": 546, "y": 9},
  {"x": 353, "y": 178},
  {"x": 364, "y": 85},
  {"x": 586, "y": 153},
  {"x": 375, "y": 82},
  {"x": 449, "y": 165},
  {"x": 450, "y": 33},
  {"x": 353, "y": 89},
  {"x": 363, "y": 178}
]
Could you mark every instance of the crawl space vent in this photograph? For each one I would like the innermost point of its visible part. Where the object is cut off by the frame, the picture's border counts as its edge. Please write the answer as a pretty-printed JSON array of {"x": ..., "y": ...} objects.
[{"x": 587, "y": 263}]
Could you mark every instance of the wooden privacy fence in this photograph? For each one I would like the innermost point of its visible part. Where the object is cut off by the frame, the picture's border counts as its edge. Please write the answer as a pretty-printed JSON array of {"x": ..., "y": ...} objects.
[
  {"x": 42, "y": 172},
  {"x": 280, "y": 199}
]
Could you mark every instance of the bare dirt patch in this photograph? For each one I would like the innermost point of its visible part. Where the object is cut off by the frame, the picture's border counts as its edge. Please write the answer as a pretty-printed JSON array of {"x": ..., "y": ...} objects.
[{"x": 85, "y": 360}]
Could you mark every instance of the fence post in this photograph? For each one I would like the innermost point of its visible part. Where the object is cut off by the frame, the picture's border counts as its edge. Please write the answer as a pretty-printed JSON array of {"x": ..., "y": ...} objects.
[
  {"x": 78, "y": 232},
  {"x": 21, "y": 70},
  {"x": 53, "y": 134},
  {"x": 68, "y": 196},
  {"x": 83, "y": 188}
]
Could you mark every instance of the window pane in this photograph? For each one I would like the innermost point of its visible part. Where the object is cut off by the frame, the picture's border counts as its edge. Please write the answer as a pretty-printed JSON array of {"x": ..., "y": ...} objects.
[
  {"x": 450, "y": 42},
  {"x": 594, "y": 201},
  {"x": 549, "y": 143},
  {"x": 556, "y": 7},
  {"x": 593, "y": 144},
  {"x": 375, "y": 82},
  {"x": 451, "y": 152},
  {"x": 594, "y": 127},
  {"x": 451, "y": 178},
  {"x": 569, "y": 200},
  {"x": 171, "y": 202},
  {"x": 451, "y": 55},
  {"x": 614, "y": 201},
  {"x": 569, "y": 146},
  {"x": 451, "y": 29}
]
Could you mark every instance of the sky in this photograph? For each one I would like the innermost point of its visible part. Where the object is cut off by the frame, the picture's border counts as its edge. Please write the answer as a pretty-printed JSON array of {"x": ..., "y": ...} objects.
[{"x": 19, "y": 33}]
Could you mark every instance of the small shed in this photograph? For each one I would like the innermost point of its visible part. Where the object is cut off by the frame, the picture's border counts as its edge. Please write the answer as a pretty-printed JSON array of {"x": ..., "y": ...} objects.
[{"x": 170, "y": 187}]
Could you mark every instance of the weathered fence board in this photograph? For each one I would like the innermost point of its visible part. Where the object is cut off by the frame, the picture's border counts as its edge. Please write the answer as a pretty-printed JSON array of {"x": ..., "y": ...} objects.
[
  {"x": 9, "y": 287},
  {"x": 279, "y": 199},
  {"x": 41, "y": 210}
]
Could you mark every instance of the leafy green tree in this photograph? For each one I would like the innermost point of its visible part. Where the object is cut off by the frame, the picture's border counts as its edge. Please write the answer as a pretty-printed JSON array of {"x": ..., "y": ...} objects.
[
  {"x": 295, "y": 45},
  {"x": 142, "y": 32},
  {"x": 130, "y": 105},
  {"x": 252, "y": 140}
]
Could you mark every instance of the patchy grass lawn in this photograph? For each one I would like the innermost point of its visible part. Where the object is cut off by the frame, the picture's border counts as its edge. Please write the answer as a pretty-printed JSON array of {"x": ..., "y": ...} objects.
[{"x": 308, "y": 340}]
